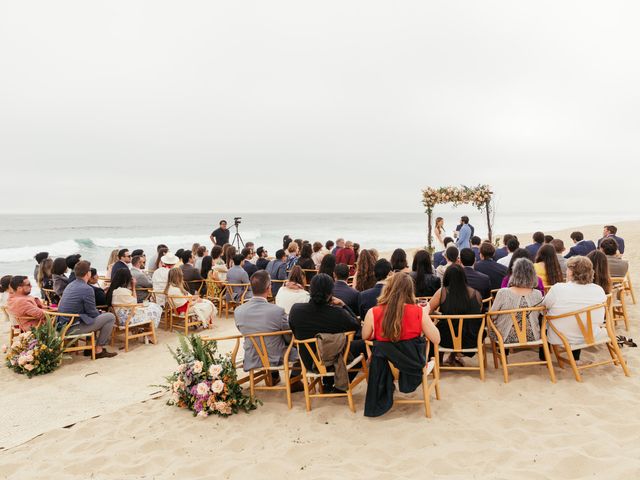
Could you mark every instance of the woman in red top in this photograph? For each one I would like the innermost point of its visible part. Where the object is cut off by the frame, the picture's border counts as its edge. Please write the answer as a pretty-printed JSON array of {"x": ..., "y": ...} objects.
[{"x": 397, "y": 317}]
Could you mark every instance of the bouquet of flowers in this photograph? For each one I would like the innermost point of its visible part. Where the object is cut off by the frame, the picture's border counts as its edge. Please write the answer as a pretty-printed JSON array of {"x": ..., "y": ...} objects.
[
  {"x": 205, "y": 381},
  {"x": 36, "y": 352}
]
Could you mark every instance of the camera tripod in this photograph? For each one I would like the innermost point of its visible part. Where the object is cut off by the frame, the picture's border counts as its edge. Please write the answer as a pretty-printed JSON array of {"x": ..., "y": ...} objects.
[{"x": 237, "y": 238}]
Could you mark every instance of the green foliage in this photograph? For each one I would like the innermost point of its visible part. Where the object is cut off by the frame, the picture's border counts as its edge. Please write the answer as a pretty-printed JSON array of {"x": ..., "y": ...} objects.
[{"x": 36, "y": 352}]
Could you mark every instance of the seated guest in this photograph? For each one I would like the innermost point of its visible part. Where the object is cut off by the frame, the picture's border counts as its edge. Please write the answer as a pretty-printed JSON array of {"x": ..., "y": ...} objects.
[
  {"x": 60, "y": 279},
  {"x": 121, "y": 293},
  {"x": 579, "y": 292},
  {"x": 192, "y": 277},
  {"x": 489, "y": 266},
  {"x": 547, "y": 265},
  {"x": 39, "y": 257},
  {"x": 338, "y": 247},
  {"x": 328, "y": 246},
  {"x": 323, "y": 314},
  {"x": 342, "y": 290},
  {"x": 538, "y": 241},
  {"x": 328, "y": 264},
  {"x": 558, "y": 245},
  {"x": 161, "y": 275},
  {"x": 600, "y": 270},
  {"x": 425, "y": 282},
  {"x": 263, "y": 258},
  {"x": 228, "y": 255},
  {"x": 519, "y": 253},
  {"x": 99, "y": 294},
  {"x": 218, "y": 265},
  {"x": 201, "y": 252},
  {"x": 139, "y": 252},
  {"x": 143, "y": 281},
  {"x": 347, "y": 256},
  {"x": 503, "y": 251},
  {"x": 476, "y": 280},
  {"x": 617, "y": 266},
  {"x": 113, "y": 258},
  {"x": 457, "y": 298},
  {"x": 399, "y": 261},
  {"x": 71, "y": 263},
  {"x": 79, "y": 298},
  {"x": 248, "y": 264},
  {"x": 512, "y": 246},
  {"x": 293, "y": 290},
  {"x": 438, "y": 257},
  {"x": 277, "y": 270},
  {"x": 365, "y": 278},
  {"x": 305, "y": 262},
  {"x": 475, "y": 246},
  {"x": 580, "y": 245},
  {"x": 610, "y": 232},
  {"x": 28, "y": 311},
  {"x": 205, "y": 310},
  {"x": 124, "y": 261},
  {"x": 5, "y": 293},
  {"x": 318, "y": 253},
  {"x": 253, "y": 257},
  {"x": 451, "y": 255},
  {"x": 44, "y": 279},
  {"x": 293, "y": 251},
  {"x": 236, "y": 275},
  {"x": 286, "y": 240},
  {"x": 521, "y": 292},
  {"x": 154, "y": 262},
  {"x": 259, "y": 316},
  {"x": 369, "y": 298},
  {"x": 548, "y": 238}
]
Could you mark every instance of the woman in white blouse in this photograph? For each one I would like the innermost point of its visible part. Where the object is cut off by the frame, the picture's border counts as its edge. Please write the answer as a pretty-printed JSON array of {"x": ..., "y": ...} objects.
[
  {"x": 121, "y": 293},
  {"x": 203, "y": 308},
  {"x": 293, "y": 290}
]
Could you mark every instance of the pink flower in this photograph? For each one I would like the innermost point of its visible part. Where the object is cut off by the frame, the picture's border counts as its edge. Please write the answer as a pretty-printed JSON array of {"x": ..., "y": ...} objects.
[
  {"x": 202, "y": 389},
  {"x": 28, "y": 367},
  {"x": 215, "y": 370},
  {"x": 197, "y": 366},
  {"x": 202, "y": 414},
  {"x": 217, "y": 386}
]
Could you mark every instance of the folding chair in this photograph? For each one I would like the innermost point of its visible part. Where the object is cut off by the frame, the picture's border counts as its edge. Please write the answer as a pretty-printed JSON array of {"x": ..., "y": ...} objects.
[
  {"x": 519, "y": 319},
  {"x": 618, "y": 305},
  {"x": 182, "y": 320},
  {"x": 71, "y": 339},
  {"x": 584, "y": 320},
  {"x": 427, "y": 387},
  {"x": 144, "y": 329},
  {"x": 312, "y": 378},
  {"x": 230, "y": 298},
  {"x": 456, "y": 336}
]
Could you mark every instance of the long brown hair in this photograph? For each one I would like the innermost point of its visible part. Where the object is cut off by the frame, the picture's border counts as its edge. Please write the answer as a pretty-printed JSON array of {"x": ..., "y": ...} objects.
[
  {"x": 365, "y": 277},
  {"x": 175, "y": 279},
  {"x": 600, "y": 270},
  {"x": 547, "y": 256},
  {"x": 162, "y": 251},
  {"x": 397, "y": 293},
  {"x": 44, "y": 271},
  {"x": 296, "y": 275}
]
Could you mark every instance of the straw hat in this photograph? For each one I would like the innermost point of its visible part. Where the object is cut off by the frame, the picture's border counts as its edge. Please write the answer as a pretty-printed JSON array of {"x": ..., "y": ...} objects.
[{"x": 169, "y": 259}]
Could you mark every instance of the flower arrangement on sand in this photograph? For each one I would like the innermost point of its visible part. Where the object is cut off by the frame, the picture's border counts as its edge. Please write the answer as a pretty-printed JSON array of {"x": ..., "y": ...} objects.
[
  {"x": 35, "y": 352},
  {"x": 206, "y": 382}
]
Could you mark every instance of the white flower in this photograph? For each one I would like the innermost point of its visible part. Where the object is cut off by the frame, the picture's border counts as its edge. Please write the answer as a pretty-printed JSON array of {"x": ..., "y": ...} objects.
[
  {"x": 215, "y": 370},
  {"x": 181, "y": 367},
  {"x": 217, "y": 386},
  {"x": 197, "y": 366},
  {"x": 202, "y": 414},
  {"x": 202, "y": 388}
]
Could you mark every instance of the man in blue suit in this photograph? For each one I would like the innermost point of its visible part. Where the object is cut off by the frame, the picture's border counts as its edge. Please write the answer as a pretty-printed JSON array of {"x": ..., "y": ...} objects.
[
  {"x": 438, "y": 257},
  {"x": 580, "y": 245},
  {"x": 369, "y": 298},
  {"x": 489, "y": 266},
  {"x": 465, "y": 234},
  {"x": 475, "y": 246},
  {"x": 342, "y": 290},
  {"x": 503, "y": 251},
  {"x": 538, "y": 241},
  {"x": 476, "y": 280},
  {"x": 610, "y": 232}
]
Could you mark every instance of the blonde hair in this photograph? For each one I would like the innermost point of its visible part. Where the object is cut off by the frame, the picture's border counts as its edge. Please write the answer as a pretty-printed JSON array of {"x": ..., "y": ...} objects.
[
  {"x": 293, "y": 247},
  {"x": 113, "y": 257},
  {"x": 581, "y": 269},
  {"x": 397, "y": 293},
  {"x": 175, "y": 279}
]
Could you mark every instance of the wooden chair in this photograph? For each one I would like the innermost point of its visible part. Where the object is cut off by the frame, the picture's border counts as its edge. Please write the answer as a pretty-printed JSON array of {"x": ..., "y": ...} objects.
[
  {"x": 312, "y": 378},
  {"x": 185, "y": 320},
  {"x": 197, "y": 285},
  {"x": 105, "y": 281},
  {"x": 628, "y": 287},
  {"x": 456, "y": 336},
  {"x": 618, "y": 304},
  {"x": 427, "y": 387},
  {"x": 14, "y": 328},
  {"x": 230, "y": 298},
  {"x": 50, "y": 296},
  {"x": 271, "y": 298},
  {"x": 159, "y": 298},
  {"x": 147, "y": 294},
  {"x": 132, "y": 331},
  {"x": 234, "y": 352},
  {"x": 584, "y": 320},
  {"x": 519, "y": 323},
  {"x": 70, "y": 341},
  {"x": 213, "y": 290},
  {"x": 309, "y": 273}
]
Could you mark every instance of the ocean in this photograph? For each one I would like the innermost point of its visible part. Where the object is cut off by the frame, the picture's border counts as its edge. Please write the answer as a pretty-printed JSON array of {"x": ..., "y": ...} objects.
[{"x": 94, "y": 236}]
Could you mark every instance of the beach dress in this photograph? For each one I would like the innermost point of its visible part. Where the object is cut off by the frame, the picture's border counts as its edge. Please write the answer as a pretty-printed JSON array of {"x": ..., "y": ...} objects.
[{"x": 144, "y": 313}]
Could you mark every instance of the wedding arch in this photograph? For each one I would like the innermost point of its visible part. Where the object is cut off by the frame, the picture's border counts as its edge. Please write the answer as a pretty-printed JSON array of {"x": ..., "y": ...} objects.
[{"x": 479, "y": 196}]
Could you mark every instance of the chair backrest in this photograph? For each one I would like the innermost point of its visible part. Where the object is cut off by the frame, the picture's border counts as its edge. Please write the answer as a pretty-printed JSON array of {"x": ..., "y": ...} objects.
[
  {"x": 456, "y": 330},
  {"x": 584, "y": 320},
  {"x": 171, "y": 300},
  {"x": 519, "y": 317},
  {"x": 129, "y": 307},
  {"x": 236, "y": 291},
  {"x": 6, "y": 315},
  {"x": 147, "y": 292},
  {"x": 49, "y": 295},
  {"x": 196, "y": 285},
  {"x": 234, "y": 351},
  {"x": 55, "y": 317},
  {"x": 257, "y": 340},
  {"x": 214, "y": 288},
  {"x": 311, "y": 346}
]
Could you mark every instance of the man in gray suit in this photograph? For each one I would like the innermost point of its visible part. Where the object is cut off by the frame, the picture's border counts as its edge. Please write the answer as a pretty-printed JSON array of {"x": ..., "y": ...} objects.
[
  {"x": 78, "y": 298},
  {"x": 617, "y": 266},
  {"x": 141, "y": 278},
  {"x": 237, "y": 274},
  {"x": 259, "y": 316}
]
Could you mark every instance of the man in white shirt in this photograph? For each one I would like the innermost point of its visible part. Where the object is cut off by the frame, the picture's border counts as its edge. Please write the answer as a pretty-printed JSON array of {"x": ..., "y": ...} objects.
[
  {"x": 512, "y": 245},
  {"x": 161, "y": 276}
]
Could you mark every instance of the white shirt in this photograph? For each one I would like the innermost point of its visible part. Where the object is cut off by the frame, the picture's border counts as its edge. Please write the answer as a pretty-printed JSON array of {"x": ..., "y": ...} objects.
[
  {"x": 505, "y": 260},
  {"x": 287, "y": 297},
  {"x": 4, "y": 298},
  {"x": 159, "y": 280},
  {"x": 570, "y": 297}
]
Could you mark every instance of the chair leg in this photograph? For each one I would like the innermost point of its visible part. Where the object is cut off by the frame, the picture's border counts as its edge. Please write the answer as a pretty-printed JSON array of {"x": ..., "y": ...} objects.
[
  {"x": 503, "y": 359},
  {"x": 153, "y": 334},
  {"x": 252, "y": 384},
  {"x": 630, "y": 286},
  {"x": 618, "y": 353},
  {"x": 126, "y": 338},
  {"x": 547, "y": 357},
  {"x": 495, "y": 355},
  {"x": 574, "y": 366},
  {"x": 307, "y": 398},
  {"x": 425, "y": 393},
  {"x": 556, "y": 352},
  {"x": 93, "y": 346},
  {"x": 350, "y": 399},
  {"x": 481, "y": 362}
]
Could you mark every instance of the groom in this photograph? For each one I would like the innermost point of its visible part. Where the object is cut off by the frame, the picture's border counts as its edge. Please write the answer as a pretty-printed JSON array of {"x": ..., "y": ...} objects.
[{"x": 465, "y": 233}]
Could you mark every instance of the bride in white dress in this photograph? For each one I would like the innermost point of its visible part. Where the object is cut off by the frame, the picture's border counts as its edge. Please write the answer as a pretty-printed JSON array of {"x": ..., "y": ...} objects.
[{"x": 440, "y": 233}]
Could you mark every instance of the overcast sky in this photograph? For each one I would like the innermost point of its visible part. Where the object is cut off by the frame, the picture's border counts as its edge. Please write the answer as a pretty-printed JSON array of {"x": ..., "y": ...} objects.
[{"x": 320, "y": 106}]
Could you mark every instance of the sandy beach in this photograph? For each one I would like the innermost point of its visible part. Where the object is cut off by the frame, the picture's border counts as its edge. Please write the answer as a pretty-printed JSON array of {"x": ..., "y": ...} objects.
[{"x": 105, "y": 419}]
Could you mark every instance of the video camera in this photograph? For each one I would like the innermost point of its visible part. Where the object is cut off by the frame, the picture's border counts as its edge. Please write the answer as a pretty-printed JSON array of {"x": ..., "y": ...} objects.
[{"x": 236, "y": 221}]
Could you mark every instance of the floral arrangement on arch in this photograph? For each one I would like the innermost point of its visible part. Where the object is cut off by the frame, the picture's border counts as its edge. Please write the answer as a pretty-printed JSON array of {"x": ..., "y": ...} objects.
[
  {"x": 35, "y": 352},
  {"x": 478, "y": 196},
  {"x": 206, "y": 382}
]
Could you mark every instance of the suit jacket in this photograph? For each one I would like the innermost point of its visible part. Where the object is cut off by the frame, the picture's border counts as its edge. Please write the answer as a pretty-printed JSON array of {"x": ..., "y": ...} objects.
[
  {"x": 249, "y": 267},
  {"x": 347, "y": 294},
  {"x": 237, "y": 274},
  {"x": 277, "y": 270},
  {"x": 533, "y": 250},
  {"x": 500, "y": 253},
  {"x": 464, "y": 238},
  {"x": 259, "y": 316},
  {"x": 617, "y": 266},
  {"x": 262, "y": 263},
  {"x": 79, "y": 298},
  {"x": 117, "y": 266},
  {"x": 369, "y": 298},
  {"x": 438, "y": 259},
  {"x": 493, "y": 270},
  {"x": 476, "y": 250},
  {"x": 583, "y": 247},
  {"x": 618, "y": 240},
  {"x": 190, "y": 274},
  {"x": 142, "y": 281},
  {"x": 100, "y": 295},
  {"x": 479, "y": 281}
]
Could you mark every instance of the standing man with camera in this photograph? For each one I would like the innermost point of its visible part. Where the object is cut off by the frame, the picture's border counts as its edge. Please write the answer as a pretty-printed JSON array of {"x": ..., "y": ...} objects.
[{"x": 220, "y": 235}]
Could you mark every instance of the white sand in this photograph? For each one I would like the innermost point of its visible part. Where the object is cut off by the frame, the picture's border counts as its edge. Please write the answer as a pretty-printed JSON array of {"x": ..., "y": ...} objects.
[{"x": 529, "y": 428}]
